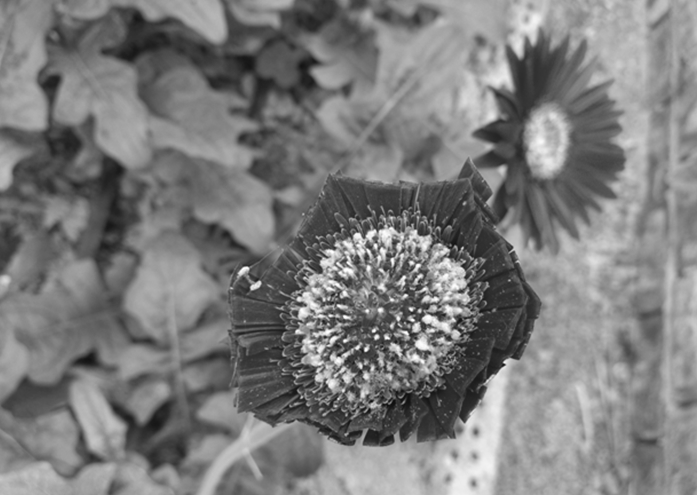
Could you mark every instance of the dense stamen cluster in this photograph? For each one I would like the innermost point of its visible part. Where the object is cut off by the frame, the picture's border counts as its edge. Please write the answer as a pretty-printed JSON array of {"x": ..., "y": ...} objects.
[
  {"x": 383, "y": 314},
  {"x": 546, "y": 139}
]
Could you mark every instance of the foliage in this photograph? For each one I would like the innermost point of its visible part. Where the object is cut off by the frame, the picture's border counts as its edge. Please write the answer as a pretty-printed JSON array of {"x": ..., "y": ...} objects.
[{"x": 146, "y": 148}]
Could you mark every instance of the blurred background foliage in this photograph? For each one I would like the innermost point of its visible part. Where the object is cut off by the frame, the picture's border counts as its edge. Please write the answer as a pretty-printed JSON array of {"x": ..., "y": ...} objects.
[{"x": 147, "y": 147}]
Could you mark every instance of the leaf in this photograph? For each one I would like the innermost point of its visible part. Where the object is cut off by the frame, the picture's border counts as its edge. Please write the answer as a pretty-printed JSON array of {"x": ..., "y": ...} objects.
[
  {"x": 68, "y": 319},
  {"x": 219, "y": 410},
  {"x": 94, "y": 479},
  {"x": 190, "y": 117},
  {"x": 170, "y": 288},
  {"x": 347, "y": 53},
  {"x": 23, "y": 27},
  {"x": 11, "y": 153},
  {"x": 71, "y": 214},
  {"x": 146, "y": 398},
  {"x": 239, "y": 202},
  {"x": 132, "y": 479},
  {"x": 207, "y": 374},
  {"x": 105, "y": 88},
  {"x": 484, "y": 17},
  {"x": 259, "y": 12},
  {"x": 52, "y": 437},
  {"x": 37, "y": 479},
  {"x": 280, "y": 62},
  {"x": 103, "y": 431},
  {"x": 14, "y": 364},
  {"x": 143, "y": 359},
  {"x": 206, "y": 17},
  {"x": 298, "y": 438}
]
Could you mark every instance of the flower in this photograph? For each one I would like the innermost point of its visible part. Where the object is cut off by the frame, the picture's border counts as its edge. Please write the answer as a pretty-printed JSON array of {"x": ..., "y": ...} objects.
[
  {"x": 555, "y": 136},
  {"x": 387, "y": 313}
]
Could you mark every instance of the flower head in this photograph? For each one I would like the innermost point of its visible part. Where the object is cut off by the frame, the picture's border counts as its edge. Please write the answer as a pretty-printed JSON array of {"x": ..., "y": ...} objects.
[
  {"x": 555, "y": 136},
  {"x": 387, "y": 313}
]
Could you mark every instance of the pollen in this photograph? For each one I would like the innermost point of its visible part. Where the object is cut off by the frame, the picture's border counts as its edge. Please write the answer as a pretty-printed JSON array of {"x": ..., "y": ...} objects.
[
  {"x": 383, "y": 311},
  {"x": 546, "y": 140}
]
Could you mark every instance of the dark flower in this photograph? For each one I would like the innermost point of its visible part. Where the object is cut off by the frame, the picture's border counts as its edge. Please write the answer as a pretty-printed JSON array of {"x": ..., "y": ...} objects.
[
  {"x": 388, "y": 312},
  {"x": 555, "y": 135}
]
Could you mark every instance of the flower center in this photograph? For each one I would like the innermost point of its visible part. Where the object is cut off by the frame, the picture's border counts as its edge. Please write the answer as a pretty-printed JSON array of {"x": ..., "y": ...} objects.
[
  {"x": 384, "y": 314},
  {"x": 546, "y": 139}
]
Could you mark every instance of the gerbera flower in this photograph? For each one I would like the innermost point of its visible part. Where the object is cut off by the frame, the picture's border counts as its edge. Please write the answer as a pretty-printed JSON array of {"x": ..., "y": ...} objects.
[
  {"x": 555, "y": 136},
  {"x": 388, "y": 313}
]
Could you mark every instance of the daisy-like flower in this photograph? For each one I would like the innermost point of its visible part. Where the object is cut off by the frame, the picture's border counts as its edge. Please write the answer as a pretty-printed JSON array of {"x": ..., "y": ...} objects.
[
  {"x": 555, "y": 136},
  {"x": 387, "y": 314}
]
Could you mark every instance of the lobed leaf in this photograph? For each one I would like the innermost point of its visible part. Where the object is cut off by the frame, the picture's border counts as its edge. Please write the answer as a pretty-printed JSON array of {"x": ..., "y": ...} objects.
[
  {"x": 68, "y": 319},
  {"x": 206, "y": 17},
  {"x": 103, "y": 431},
  {"x": 105, "y": 88},
  {"x": 23, "y": 27},
  {"x": 170, "y": 287},
  {"x": 11, "y": 153},
  {"x": 190, "y": 117}
]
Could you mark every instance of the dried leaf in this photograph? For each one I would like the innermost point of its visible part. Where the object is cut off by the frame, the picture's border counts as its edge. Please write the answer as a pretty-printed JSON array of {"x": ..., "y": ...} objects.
[
  {"x": 104, "y": 432},
  {"x": 23, "y": 27},
  {"x": 11, "y": 153},
  {"x": 106, "y": 88},
  {"x": 94, "y": 479},
  {"x": 14, "y": 364},
  {"x": 68, "y": 319},
  {"x": 170, "y": 288},
  {"x": 37, "y": 479},
  {"x": 279, "y": 62},
  {"x": 189, "y": 116},
  {"x": 241, "y": 203},
  {"x": 206, "y": 17},
  {"x": 219, "y": 410},
  {"x": 146, "y": 398},
  {"x": 71, "y": 214},
  {"x": 143, "y": 359},
  {"x": 52, "y": 437},
  {"x": 259, "y": 12},
  {"x": 299, "y": 438},
  {"x": 132, "y": 479},
  {"x": 347, "y": 53}
]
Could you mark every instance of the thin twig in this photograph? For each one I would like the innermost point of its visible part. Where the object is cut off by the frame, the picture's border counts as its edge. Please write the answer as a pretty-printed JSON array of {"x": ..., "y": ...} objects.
[
  {"x": 258, "y": 436},
  {"x": 673, "y": 252}
]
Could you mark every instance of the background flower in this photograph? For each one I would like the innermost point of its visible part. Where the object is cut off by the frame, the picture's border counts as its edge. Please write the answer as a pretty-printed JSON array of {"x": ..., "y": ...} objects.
[
  {"x": 388, "y": 312},
  {"x": 555, "y": 136}
]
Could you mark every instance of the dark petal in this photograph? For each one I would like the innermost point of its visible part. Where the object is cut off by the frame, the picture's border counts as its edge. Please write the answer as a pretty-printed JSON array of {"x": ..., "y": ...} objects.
[
  {"x": 385, "y": 197},
  {"x": 476, "y": 351},
  {"x": 515, "y": 66},
  {"x": 577, "y": 202},
  {"x": 377, "y": 439},
  {"x": 250, "y": 315},
  {"x": 394, "y": 419},
  {"x": 276, "y": 406},
  {"x": 259, "y": 381},
  {"x": 508, "y": 105},
  {"x": 479, "y": 184},
  {"x": 589, "y": 97},
  {"x": 371, "y": 419},
  {"x": 591, "y": 183},
  {"x": 414, "y": 409},
  {"x": 445, "y": 405},
  {"x": 442, "y": 200},
  {"x": 504, "y": 291},
  {"x": 260, "y": 340},
  {"x": 561, "y": 210},
  {"x": 471, "y": 401},
  {"x": 354, "y": 194},
  {"x": 334, "y": 199},
  {"x": 542, "y": 217},
  {"x": 496, "y": 259},
  {"x": 490, "y": 132},
  {"x": 490, "y": 159},
  {"x": 430, "y": 429},
  {"x": 500, "y": 325}
]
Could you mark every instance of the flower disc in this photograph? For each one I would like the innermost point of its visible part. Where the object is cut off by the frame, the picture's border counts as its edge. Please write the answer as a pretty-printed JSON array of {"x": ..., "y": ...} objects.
[{"x": 385, "y": 314}]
